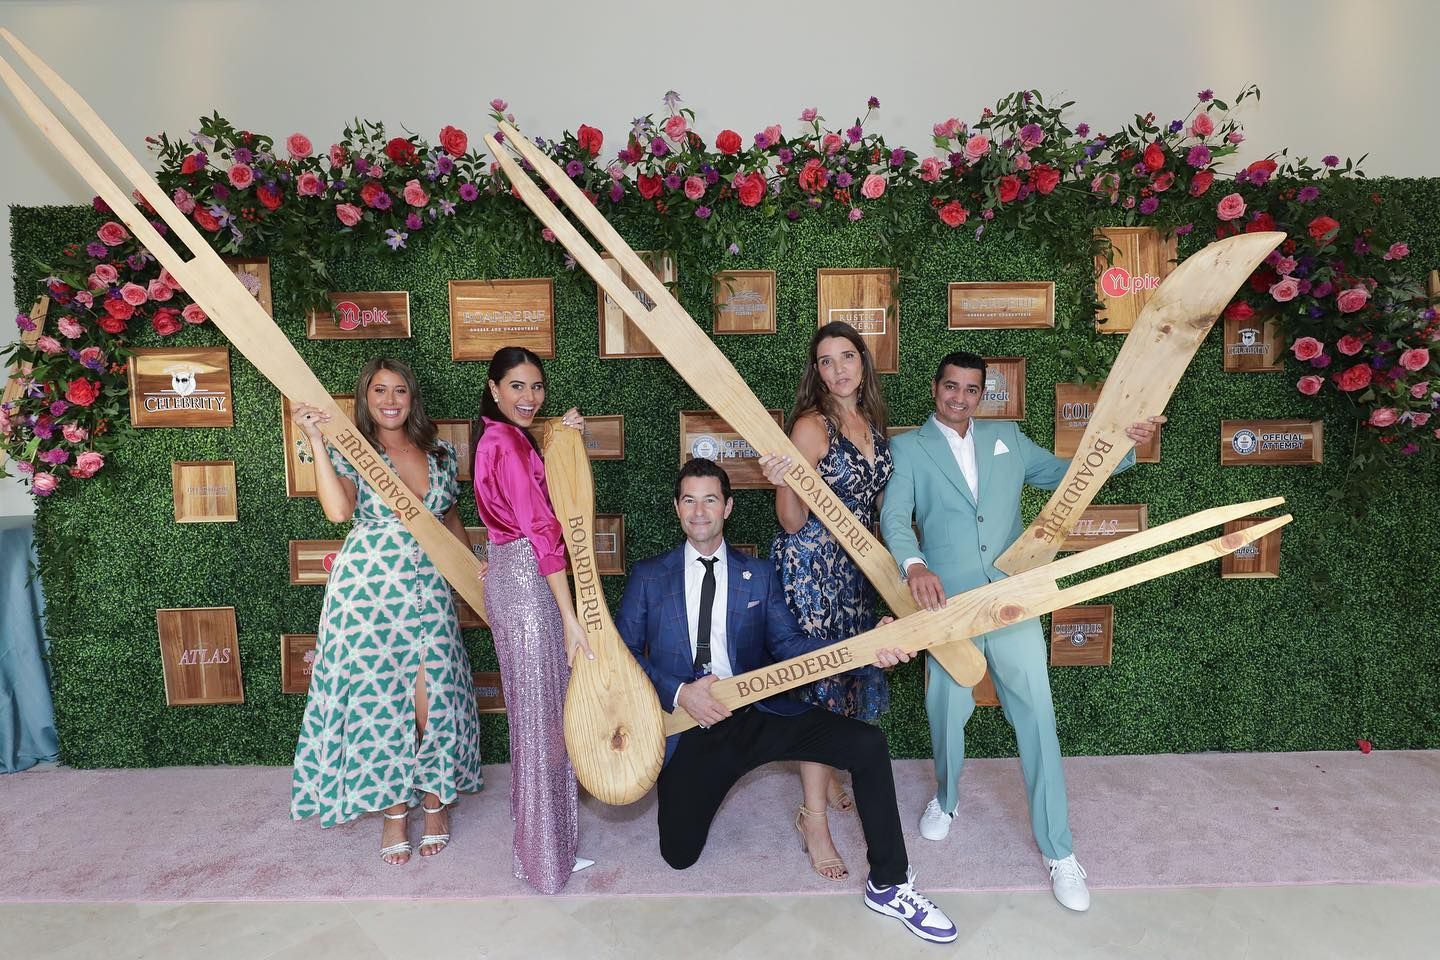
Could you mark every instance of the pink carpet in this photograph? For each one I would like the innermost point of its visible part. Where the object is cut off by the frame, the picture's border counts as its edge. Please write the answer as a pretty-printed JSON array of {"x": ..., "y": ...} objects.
[{"x": 208, "y": 833}]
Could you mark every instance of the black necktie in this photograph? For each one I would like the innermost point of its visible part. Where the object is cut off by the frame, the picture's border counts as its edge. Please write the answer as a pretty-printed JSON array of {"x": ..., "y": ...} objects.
[{"x": 702, "y": 628}]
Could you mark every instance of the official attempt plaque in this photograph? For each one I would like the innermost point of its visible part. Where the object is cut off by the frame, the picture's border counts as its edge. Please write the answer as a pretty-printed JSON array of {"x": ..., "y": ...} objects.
[
  {"x": 704, "y": 433},
  {"x": 745, "y": 301},
  {"x": 371, "y": 315},
  {"x": 200, "y": 656},
  {"x": 619, "y": 337},
  {"x": 1074, "y": 404},
  {"x": 181, "y": 387},
  {"x": 1272, "y": 443},
  {"x": 1004, "y": 396},
  {"x": 1082, "y": 636},
  {"x": 486, "y": 315},
  {"x": 865, "y": 299},
  {"x": 1001, "y": 306}
]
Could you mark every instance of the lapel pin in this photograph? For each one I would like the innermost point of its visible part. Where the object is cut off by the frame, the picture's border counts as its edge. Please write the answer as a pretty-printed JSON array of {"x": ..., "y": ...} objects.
[{"x": 745, "y": 575}]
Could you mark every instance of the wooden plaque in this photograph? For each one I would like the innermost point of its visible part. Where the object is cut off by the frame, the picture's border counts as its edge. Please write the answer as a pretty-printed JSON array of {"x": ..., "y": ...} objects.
[
  {"x": 604, "y": 436},
  {"x": 704, "y": 433},
  {"x": 297, "y": 656},
  {"x": 865, "y": 299},
  {"x": 200, "y": 656},
  {"x": 310, "y": 561},
  {"x": 1004, "y": 397},
  {"x": 486, "y": 315},
  {"x": 1254, "y": 561},
  {"x": 204, "y": 491},
  {"x": 489, "y": 692},
  {"x": 749, "y": 549},
  {"x": 1105, "y": 524},
  {"x": 299, "y": 457},
  {"x": 745, "y": 301},
  {"x": 893, "y": 432},
  {"x": 619, "y": 338},
  {"x": 998, "y": 306},
  {"x": 1082, "y": 636},
  {"x": 1272, "y": 443},
  {"x": 1143, "y": 258},
  {"x": 181, "y": 387},
  {"x": 1074, "y": 402},
  {"x": 1252, "y": 346},
  {"x": 610, "y": 544},
  {"x": 458, "y": 433},
  {"x": 369, "y": 315},
  {"x": 984, "y": 692},
  {"x": 480, "y": 544},
  {"x": 254, "y": 273}
]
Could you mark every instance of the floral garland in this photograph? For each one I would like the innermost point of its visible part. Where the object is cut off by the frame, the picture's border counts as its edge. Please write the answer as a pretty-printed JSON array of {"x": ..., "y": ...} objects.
[{"x": 1334, "y": 286}]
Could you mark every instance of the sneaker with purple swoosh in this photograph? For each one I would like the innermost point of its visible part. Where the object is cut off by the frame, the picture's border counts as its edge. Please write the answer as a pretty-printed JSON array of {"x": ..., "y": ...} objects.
[{"x": 920, "y": 916}]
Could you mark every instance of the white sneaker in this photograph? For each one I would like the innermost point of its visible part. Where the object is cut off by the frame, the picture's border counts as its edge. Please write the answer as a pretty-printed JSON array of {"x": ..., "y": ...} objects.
[
  {"x": 581, "y": 863},
  {"x": 1067, "y": 880},
  {"x": 934, "y": 822}
]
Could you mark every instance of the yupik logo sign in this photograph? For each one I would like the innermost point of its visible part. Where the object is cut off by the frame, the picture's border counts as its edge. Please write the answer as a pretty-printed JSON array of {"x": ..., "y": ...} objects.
[
  {"x": 349, "y": 315},
  {"x": 1118, "y": 282}
]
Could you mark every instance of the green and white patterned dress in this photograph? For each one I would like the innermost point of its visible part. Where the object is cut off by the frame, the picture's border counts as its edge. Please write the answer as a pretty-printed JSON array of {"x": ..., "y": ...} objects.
[{"x": 386, "y": 609}]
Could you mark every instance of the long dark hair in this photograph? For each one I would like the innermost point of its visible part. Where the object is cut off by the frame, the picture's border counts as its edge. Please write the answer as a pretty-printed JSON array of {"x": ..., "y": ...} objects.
[
  {"x": 813, "y": 395},
  {"x": 505, "y": 360},
  {"x": 419, "y": 428}
]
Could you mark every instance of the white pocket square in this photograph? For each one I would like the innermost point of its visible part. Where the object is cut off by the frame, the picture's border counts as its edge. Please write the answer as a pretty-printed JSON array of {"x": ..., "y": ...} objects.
[
  {"x": 752, "y": 603},
  {"x": 1000, "y": 447}
]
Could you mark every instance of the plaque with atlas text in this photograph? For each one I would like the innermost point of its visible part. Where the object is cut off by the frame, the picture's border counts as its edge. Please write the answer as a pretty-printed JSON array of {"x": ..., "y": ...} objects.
[
  {"x": 181, "y": 387},
  {"x": 1106, "y": 524},
  {"x": 200, "y": 656}
]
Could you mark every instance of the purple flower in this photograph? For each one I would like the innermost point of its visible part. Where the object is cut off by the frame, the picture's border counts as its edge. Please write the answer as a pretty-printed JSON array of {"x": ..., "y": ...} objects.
[
  {"x": 786, "y": 155},
  {"x": 712, "y": 176},
  {"x": 617, "y": 191},
  {"x": 873, "y": 103},
  {"x": 1330, "y": 160},
  {"x": 362, "y": 166},
  {"x": 444, "y": 165},
  {"x": 574, "y": 168},
  {"x": 1307, "y": 194},
  {"x": 673, "y": 181},
  {"x": 201, "y": 160},
  {"x": 762, "y": 140},
  {"x": 1409, "y": 448},
  {"x": 670, "y": 99},
  {"x": 1323, "y": 289},
  {"x": 468, "y": 192},
  {"x": 793, "y": 214},
  {"x": 1176, "y": 126},
  {"x": 1205, "y": 96},
  {"x": 1149, "y": 205},
  {"x": 733, "y": 249},
  {"x": 55, "y": 456},
  {"x": 44, "y": 428},
  {"x": 96, "y": 249},
  {"x": 843, "y": 180},
  {"x": 855, "y": 214},
  {"x": 658, "y": 147},
  {"x": 1184, "y": 229},
  {"x": 956, "y": 159},
  {"x": 242, "y": 155},
  {"x": 383, "y": 200},
  {"x": 1322, "y": 361},
  {"x": 854, "y": 134},
  {"x": 1361, "y": 246},
  {"x": 396, "y": 239},
  {"x": 1198, "y": 156},
  {"x": 897, "y": 157},
  {"x": 337, "y": 184},
  {"x": 24, "y": 323},
  {"x": 413, "y": 221},
  {"x": 1082, "y": 130},
  {"x": 58, "y": 407},
  {"x": 702, "y": 212},
  {"x": 447, "y": 207},
  {"x": 221, "y": 192},
  {"x": 1260, "y": 177}
]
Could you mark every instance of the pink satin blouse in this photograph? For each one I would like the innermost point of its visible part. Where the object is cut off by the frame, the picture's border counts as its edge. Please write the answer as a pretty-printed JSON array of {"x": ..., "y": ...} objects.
[{"x": 512, "y": 497}]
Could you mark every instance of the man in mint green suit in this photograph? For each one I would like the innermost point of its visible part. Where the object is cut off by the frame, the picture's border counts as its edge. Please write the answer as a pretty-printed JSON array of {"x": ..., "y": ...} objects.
[{"x": 960, "y": 481}]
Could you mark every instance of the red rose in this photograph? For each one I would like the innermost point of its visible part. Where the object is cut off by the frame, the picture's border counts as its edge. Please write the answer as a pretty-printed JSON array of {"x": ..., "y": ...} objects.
[
  {"x": 1044, "y": 178},
  {"x": 590, "y": 139},
  {"x": 1239, "y": 311},
  {"x": 1009, "y": 188},
  {"x": 166, "y": 321},
  {"x": 813, "y": 176},
  {"x": 370, "y": 192},
  {"x": 1321, "y": 226},
  {"x": 728, "y": 142},
  {"x": 1154, "y": 157},
  {"x": 1354, "y": 378},
  {"x": 191, "y": 164},
  {"x": 205, "y": 219},
  {"x": 1261, "y": 224},
  {"x": 1263, "y": 279},
  {"x": 1266, "y": 165},
  {"x": 112, "y": 324},
  {"x": 119, "y": 309},
  {"x": 649, "y": 185},
  {"x": 1201, "y": 183},
  {"x": 752, "y": 189},
  {"x": 82, "y": 392},
  {"x": 454, "y": 141},
  {"x": 953, "y": 214},
  {"x": 401, "y": 151},
  {"x": 269, "y": 196}
]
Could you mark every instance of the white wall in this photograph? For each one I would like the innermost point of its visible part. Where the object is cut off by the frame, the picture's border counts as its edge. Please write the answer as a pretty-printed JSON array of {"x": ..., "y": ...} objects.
[{"x": 1338, "y": 76}]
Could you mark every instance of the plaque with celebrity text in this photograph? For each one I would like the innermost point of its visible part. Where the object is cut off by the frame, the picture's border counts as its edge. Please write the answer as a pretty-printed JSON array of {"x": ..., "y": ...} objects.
[
  {"x": 181, "y": 387},
  {"x": 1252, "y": 346}
]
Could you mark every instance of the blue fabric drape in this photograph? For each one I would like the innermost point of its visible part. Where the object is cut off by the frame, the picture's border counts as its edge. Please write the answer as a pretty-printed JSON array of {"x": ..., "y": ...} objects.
[{"x": 27, "y": 718}]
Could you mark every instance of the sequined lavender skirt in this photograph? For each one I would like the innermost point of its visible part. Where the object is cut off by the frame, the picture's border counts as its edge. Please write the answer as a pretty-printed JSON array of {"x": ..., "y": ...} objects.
[{"x": 530, "y": 641}]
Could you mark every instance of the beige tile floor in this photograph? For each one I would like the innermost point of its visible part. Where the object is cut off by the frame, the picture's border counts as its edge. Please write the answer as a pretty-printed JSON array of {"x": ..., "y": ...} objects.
[{"x": 1267, "y": 923}]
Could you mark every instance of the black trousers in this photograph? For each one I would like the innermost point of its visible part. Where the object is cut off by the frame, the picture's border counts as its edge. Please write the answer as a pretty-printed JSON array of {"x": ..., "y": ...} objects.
[{"x": 706, "y": 764}]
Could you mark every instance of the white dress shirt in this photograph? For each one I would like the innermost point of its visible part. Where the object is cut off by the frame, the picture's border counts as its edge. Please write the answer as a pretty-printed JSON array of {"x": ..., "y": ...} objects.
[
  {"x": 963, "y": 449},
  {"x": 694, "y": 580}
]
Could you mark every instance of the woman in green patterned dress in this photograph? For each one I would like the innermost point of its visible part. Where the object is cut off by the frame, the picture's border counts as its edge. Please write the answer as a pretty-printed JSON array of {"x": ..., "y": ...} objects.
[{"x": 380, "y": 733}]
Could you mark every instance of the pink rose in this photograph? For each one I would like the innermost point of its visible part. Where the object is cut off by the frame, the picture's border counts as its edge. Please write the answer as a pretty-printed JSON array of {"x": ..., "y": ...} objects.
[
  {"x": 309, "y": 185},
  {"x": 1285, "y": 290},
  {"x": 84, "y": 298},
  {"x": 874, "y": 187},
  {"x": 241, "y": 176},
  {"x": 49, "y": 346},
  {"x": 1397, "y": 251},
  {"x": 694, "y": 188},
  {"x": 44, "y": 484},
  {"x": 675, "y": 127},
  {"x": 1310, "y": 385},
  {"x": 1231, "y": 206},
  {"x": 415, "y": 194},
  {"x": 1414, "y": 359},
  {"x": 1383, "y": 417},
  {"x": 976, "y": 147},
  {"x": 157, "y": 290},
  {"x": 830, "y": 143},
  {"x": 6, "y": 425},
  {"x": 547, "y": 235},
  {"x": 74, "y": 433},
  {"x": 92, "y": 357},
  {"x": 930, "y": 169},
  {"x": 1353, "y": 299},
  {"x": 299, "y": 146},
  {"x": 1202, "y": 126},
  {"x": 1419, "y": 390},
  {"x": 772, "y": 133},
  {"x": 70, "y": 328},
  {"x": 193, "y": 314},
  {"x": 1349, "y": 345},
  {"x": 133, "y": 294},
  {"x": 183, "y": 201},
  {"x": 1285, "y": 265},
  {"x": 87, "y": 465},
  {"x": 1163, "y": 182},
  {"x": 809, "y": 114},
  {"x": 348, "y": 213},
  {"x": 112, "y": 234},
  {"x": 337, "y": 155},
  {"x": 1307, "y": 348},
  {"x": 168, "y": 278},
  {"x": 1420, "y": 419}
]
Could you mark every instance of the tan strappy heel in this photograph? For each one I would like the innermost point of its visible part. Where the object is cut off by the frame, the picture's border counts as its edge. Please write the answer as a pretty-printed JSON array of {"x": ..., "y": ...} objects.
[{"x": 827, "y": 863}]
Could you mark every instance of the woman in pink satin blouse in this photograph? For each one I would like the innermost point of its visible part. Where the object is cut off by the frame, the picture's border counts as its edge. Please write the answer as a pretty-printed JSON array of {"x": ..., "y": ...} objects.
[{"x": 532, "y": 616}]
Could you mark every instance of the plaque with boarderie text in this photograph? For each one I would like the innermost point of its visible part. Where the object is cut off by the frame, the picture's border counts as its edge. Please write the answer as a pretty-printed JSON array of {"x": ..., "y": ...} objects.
[
  {"x": 486, "y": 315},
  {"x": 1022, "y": 305}
]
